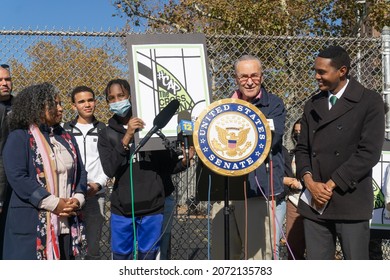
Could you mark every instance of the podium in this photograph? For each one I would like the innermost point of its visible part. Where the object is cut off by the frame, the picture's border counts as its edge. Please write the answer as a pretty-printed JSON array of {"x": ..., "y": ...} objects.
[
  {"x": 232, "y": 138},
  {"x": 218, "y": 185},
  {"x": 223, "y": 188}
]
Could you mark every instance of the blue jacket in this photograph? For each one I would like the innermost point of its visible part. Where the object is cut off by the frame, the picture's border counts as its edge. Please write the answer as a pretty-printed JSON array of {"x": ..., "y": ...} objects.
[
  {"x": 272, "y": 107},
  {"x": 22, "y": 218}
]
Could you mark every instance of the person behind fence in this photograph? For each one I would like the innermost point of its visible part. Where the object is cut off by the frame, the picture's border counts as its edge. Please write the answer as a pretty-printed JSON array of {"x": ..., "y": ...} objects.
[
  {"x": 342, "y": 131},
  {"x": 5, "y": 108},
  {"x": 47, "y": 178},
  {"x": 257, "y": 242},
  {"x": 85, "y": 129},
  {"x": 137, "y": 200},
  {"x": 295, "y": 236},
  {"x": 375, "y": 249}
]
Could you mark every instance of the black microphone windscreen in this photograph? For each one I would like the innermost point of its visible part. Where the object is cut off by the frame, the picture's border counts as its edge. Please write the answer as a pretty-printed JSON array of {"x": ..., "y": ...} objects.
[
  {"x": 183, "y": 115},
  {"x": 166, "y": 114}
]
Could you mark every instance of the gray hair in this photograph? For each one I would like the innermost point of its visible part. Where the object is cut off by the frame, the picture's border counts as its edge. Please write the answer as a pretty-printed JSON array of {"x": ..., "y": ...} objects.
[{"x": 246, "y": 57}]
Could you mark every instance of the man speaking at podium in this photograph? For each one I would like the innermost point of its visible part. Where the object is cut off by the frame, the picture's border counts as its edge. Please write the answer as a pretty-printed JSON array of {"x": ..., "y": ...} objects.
[{"x": 259, "y": 238}]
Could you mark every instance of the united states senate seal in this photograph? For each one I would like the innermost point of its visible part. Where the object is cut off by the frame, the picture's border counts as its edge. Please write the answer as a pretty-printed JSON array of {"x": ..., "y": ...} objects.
[{"x": 232, "y": 137}]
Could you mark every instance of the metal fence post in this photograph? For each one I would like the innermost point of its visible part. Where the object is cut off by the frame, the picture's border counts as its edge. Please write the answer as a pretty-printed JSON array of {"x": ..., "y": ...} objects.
[{"x": 386, "y": 72}]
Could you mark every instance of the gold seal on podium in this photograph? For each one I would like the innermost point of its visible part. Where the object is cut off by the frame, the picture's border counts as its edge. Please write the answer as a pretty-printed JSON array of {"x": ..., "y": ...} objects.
[{"x": 232, "y": 137}]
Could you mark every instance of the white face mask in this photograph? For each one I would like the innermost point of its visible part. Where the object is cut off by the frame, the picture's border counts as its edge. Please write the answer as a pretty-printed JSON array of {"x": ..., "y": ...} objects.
[{"x": 120, "y": 108}]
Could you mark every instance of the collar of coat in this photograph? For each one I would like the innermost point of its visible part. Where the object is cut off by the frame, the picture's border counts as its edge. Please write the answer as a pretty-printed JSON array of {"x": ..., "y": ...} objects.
[
  {"x": 116, "y": 125},
  {"x": 352, "y": 95},
  {"x": 261, "y": 98},
  {"x": 73, "y": 122}
]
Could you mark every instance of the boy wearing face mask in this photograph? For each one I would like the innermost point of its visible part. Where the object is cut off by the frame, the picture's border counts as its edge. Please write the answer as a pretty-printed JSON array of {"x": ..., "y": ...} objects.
[{"x": 140, "y": 211}]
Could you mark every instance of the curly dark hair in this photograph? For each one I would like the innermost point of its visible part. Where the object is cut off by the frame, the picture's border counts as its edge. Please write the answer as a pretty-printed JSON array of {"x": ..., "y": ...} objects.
[{"x": 30, "y": 104}]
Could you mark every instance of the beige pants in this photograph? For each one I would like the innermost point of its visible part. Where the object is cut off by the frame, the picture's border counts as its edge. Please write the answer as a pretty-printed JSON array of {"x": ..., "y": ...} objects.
[{"x": 258, "y": 239}]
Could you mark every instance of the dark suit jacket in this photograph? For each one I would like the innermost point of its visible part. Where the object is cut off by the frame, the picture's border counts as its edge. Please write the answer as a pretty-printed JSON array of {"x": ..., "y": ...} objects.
[
  {"x": 343, "y": 144},
  {"x": 273, "y": 108}
]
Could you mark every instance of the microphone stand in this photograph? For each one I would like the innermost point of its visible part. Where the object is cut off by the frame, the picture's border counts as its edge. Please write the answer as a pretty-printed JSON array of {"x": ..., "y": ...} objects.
[
  {"x": 270, "y": 170},
  {"x": 186, "y": 148},
  {"x": 189, "y": 201},
  {"x": 166, "y": 142},
  {"x": 273, "y": 206},
  {"x": 272, "y": 226},
  {"x": 226, "y": 212}
]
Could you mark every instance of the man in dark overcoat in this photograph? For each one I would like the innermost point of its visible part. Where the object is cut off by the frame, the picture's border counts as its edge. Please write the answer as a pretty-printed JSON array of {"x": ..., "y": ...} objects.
[{"x": 342, "y": 133}]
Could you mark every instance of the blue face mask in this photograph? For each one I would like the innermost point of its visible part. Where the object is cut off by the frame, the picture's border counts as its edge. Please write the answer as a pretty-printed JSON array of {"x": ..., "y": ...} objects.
[{"x": 121, "y": 108}]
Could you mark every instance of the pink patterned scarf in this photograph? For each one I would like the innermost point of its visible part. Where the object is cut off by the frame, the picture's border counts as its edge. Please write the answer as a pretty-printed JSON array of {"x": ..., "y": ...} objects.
[{"x": 47, "y": 228}]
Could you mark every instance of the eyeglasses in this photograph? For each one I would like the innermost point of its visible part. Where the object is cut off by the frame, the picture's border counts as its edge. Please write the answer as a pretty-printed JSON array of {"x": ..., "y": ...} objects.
[
  {"x": 243, "y": 79},
  {"x": 5, "y": 66}
]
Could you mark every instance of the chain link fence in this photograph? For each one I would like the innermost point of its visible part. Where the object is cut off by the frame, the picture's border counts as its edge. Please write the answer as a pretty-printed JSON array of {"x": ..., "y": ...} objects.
[{"x": 69, "y": 59}]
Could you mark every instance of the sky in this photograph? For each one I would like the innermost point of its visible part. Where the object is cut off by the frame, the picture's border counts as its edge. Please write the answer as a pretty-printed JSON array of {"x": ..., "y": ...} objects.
[{"x": 83, "y": 15}]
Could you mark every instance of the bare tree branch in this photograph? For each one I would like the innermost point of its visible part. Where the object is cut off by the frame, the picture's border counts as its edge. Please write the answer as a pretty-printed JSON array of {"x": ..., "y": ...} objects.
[
  {"x": 200, "y": 11},
  {"x": 150, "y": 17}
]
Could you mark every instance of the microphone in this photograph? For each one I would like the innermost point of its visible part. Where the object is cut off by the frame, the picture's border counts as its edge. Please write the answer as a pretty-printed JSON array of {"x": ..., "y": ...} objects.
[
  {"x": 185, "y": 129},
  {"x": 159, "y": 122}
]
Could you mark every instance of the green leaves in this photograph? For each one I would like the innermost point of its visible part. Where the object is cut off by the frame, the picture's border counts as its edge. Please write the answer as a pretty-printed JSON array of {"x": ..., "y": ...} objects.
[{"x": 272, "y": 17}]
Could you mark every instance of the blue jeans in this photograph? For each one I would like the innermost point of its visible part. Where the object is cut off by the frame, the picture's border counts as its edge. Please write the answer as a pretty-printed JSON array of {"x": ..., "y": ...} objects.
[
  {"x": 148, "y": 231},
  {"x": 169, "y": 206},
  {"x": 280, "y": 215}
]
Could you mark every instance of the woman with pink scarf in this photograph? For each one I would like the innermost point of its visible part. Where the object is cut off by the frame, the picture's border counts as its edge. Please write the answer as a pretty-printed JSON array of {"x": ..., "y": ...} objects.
[{"x": 47, "y": 180}]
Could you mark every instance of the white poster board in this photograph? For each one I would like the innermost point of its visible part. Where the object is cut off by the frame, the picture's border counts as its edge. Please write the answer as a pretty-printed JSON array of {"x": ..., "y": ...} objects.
[
  {"x": 165, "y": 67},
  {"x": 379, "y": 220}
]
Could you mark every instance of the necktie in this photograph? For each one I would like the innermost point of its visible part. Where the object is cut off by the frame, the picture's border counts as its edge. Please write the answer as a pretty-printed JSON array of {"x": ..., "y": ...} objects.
[{"x": 333, "y": 100}]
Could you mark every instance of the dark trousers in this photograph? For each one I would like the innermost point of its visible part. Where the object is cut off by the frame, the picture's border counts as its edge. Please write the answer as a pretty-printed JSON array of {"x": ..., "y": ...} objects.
[
  {"x": 3, "y": 215},
  {"x": 354, "y": 237},
  {"x": 295, "y": 233},
  {"x": 64, "y": 242},
  {"x": 3, "y": 218}
]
